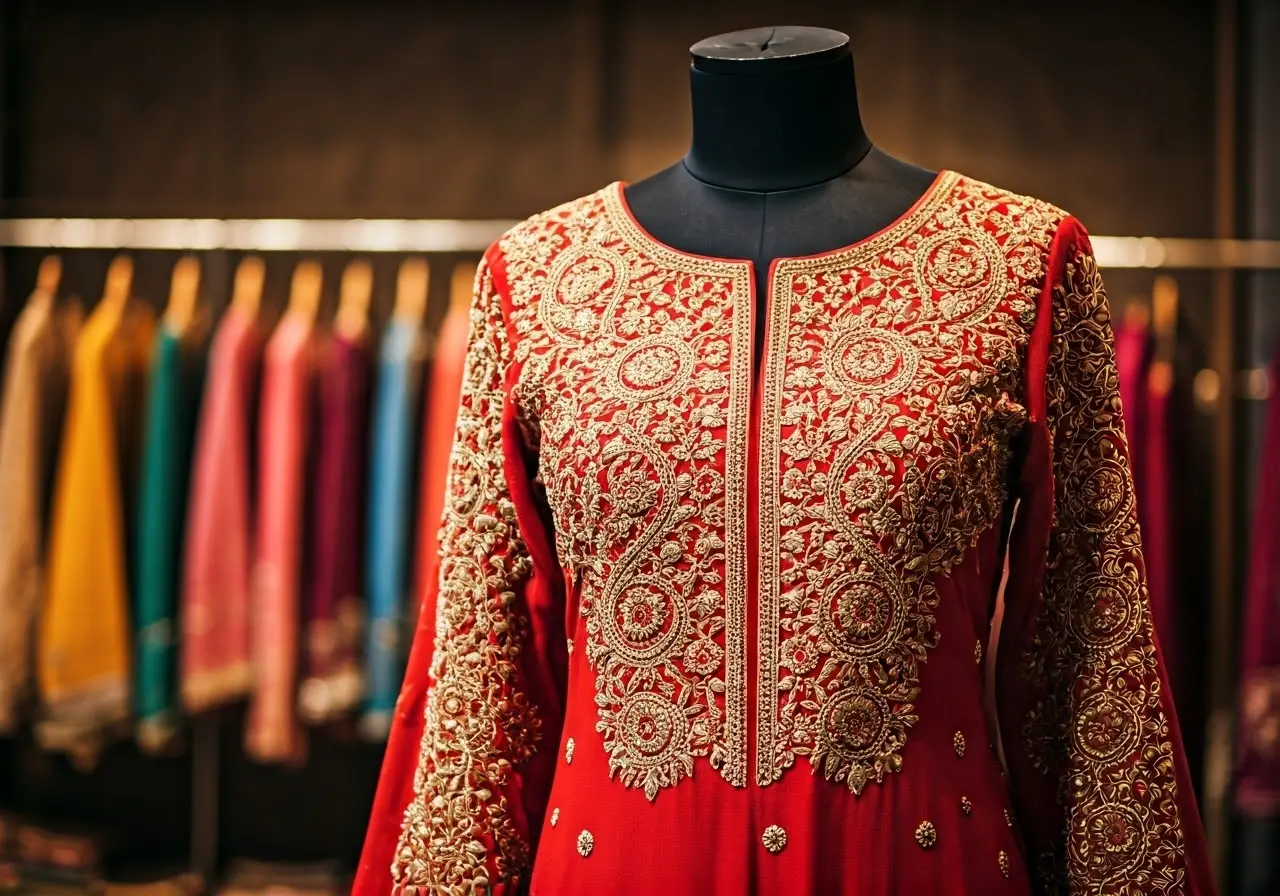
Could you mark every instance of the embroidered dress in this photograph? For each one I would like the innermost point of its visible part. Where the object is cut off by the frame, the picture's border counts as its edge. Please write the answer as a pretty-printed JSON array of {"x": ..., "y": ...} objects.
[{"x": 704, "y": 628}]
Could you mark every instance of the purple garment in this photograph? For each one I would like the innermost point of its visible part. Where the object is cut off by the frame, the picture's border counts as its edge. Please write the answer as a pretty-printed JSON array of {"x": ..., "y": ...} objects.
[{"x": 334, "y": 606}]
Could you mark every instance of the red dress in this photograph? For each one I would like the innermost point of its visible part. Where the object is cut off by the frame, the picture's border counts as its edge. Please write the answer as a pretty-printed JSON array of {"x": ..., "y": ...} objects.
[{"x": 709, "y": 630}]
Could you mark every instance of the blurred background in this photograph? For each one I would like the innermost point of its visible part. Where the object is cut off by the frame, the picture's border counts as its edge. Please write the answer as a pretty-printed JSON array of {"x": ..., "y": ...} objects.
[{"x": 419, "y": 132}]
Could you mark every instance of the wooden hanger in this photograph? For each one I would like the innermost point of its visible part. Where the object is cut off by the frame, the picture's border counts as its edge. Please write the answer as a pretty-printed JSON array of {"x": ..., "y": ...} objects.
[
  {"x": 304, "y": 291},
  {"x": 246, "y": 294},
  {"x": 462, "y": 285},
  {"x": 411, "y": 291},
  {"x": 119, "y": 283},
  {"x": 184, "y": 294},
  {"x": 352, "y": 319}
]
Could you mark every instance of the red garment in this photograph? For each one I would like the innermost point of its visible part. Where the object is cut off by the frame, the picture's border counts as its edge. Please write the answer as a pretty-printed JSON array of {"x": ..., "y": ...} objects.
[
  {"x": 704, "y": 629},
  {"x": 334, "y": 607},
  {"x": 214, "y": 657},
  {"x": 272, "y": 732},
  {"x": 1257, "y": 778},
  {"x": 439, "y": 418}
]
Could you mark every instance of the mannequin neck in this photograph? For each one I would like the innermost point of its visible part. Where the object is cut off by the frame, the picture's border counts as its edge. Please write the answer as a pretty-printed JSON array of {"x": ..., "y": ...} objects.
[{"x": 768, "y": 126}]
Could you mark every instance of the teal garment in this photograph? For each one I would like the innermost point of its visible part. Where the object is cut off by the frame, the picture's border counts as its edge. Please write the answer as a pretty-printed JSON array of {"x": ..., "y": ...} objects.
[
  {"x": 177, "y": 371},
  {"x": 392, "y": 496}
]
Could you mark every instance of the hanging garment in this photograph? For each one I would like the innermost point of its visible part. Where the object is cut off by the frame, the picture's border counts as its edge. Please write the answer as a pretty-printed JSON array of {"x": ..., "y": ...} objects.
[
  {"x": 84, "y": 662},
  {"x": 35, "y": 385},
  {"x": 214, "y": 656},
  {"x": 703, "y": 629},
  {"x": 1257, "y": 778},
  {"x": 272, "y": 732},
  {"x": 334, "y": 614},
  {"x": 439, "y": 417},
  {"x": 172, "y": 404},
  {"x": 392, "y": 470}
]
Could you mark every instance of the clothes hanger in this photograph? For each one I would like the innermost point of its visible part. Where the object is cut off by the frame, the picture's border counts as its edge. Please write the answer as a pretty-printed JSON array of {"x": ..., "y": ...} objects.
[
  {"x": 246, "y": 293},
  {"x": 1164, "y": 318},
  {"x": 119, "y": 283},
  {"x": 352, "y": 319},
  {"x": 304, "y": 291},
  {"x": 411, "y": 291},
  {"x": 461, "y": 286},
  {"x": 48, "y": 277},
  {"x": 184, "y": 294}
]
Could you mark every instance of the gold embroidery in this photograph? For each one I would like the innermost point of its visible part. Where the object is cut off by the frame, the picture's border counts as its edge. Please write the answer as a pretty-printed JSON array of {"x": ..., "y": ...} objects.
[
  {"x": 977, "y": 652},
  {"x": 1008, "y": 819},
  {"x": 965, "y": 806},
  {"x": 555, "y": 816},
  {"x": 885, "y": 430},
  {"x": 568, "y": 751},
  {"x": 926, "y": 834},
  {"x": 635, "y": 366},
  {"x": 1003, "y": 859},
  {"x": 1100, "y": 728},
  {"x": 586, "y": 843},
  {"x": 457, "y": 833},
  {"x": 774, "y": 838},
  {"x": 958, "y": 743}
]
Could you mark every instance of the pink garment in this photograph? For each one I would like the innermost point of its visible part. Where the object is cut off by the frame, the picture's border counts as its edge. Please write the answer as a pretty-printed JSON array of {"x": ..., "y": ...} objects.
[
  {"x": 273, "y": 733},
  {"x": 214, "y": 659},
  {"x": 1257, "y": 782}
]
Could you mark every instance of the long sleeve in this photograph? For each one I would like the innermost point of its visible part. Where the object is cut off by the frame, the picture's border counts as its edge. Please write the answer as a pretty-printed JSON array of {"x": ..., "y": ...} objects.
[
  {"x": 214, "y": 659},
  {"x": 470, "y": 757},
  {"x": 1098, "y": 775}
]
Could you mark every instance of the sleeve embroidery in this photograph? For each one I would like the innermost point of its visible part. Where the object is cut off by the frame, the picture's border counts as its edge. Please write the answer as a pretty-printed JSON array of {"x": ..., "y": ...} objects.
[
  {"x": 459, "y": 832},
  {"x": 1099, "y": 729}
]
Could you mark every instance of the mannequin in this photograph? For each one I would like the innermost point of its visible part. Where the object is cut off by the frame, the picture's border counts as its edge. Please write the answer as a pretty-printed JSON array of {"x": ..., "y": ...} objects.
[{"x": 779, "y": 165}]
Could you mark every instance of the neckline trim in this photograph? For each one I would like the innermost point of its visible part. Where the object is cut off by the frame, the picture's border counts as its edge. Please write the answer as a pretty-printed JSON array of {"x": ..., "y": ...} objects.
[{"x": 619, "y": 211}]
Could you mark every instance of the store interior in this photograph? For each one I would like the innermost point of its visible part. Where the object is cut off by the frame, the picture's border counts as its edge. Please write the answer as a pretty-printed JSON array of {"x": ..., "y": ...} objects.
[{"x": 176, "y": 152}]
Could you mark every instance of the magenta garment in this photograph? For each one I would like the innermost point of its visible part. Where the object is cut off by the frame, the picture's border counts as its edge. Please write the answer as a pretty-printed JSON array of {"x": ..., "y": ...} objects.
[
  {"x": 1257, "y": 780},
  {"x": 272, "y": 732},
  {"x": 334, "y": 607},
  {"x": 214, "y": 658}
]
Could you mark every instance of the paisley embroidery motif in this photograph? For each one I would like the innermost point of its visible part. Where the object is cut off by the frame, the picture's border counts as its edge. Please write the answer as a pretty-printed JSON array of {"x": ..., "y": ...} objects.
[
  {"x": 1100, "y": 729},
  {"x": 885, "y": 432}
]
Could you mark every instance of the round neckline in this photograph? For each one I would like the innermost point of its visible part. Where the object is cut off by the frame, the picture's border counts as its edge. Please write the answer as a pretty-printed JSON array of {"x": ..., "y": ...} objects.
[{"x": 640, "y": 238}]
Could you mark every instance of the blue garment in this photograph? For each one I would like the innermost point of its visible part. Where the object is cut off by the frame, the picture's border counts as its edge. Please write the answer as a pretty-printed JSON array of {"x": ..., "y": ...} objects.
[{"x": 393, "y": 467}]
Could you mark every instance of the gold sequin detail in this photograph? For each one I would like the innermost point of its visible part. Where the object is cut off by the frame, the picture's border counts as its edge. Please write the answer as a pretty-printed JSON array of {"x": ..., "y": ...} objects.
[
  {"x": 926, "y": 834},
  {"x": 957, "y": 741},
  {"x": 569, "y": 645},
  {"x": 1003, "y": 858},
  {"x": 965, "y": 806},
  {"x": 977, "y": 652},
  {"x": 1008, "y": 819},
  {"x": 568, "y": 751},
  {"x": 774, "y": 838},
  {"x": 555, "y": 816},
  {"x": 1099, "y": 727},
  {"x": 586, "y": 843}
]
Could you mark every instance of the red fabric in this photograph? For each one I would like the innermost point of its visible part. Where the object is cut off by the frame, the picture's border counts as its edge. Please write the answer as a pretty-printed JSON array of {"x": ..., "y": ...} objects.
[
  {"x": 1257, "y": 777},
  {"x": 494, "y": 799}
]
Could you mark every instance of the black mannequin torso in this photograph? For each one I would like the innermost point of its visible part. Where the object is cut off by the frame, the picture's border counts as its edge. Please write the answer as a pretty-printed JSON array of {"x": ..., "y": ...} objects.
[{"x": 780, "y": 165}]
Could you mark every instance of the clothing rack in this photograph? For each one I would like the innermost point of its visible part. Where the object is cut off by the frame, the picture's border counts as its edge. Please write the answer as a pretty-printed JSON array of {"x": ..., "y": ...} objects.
[{"x": 1215, "y": 388}]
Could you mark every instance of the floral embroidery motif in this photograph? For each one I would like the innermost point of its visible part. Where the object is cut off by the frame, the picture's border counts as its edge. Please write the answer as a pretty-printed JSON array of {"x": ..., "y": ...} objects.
[
  {"x": 886, "y": 422},
  {"x": 479, "y": 728},
  {"x": 586, "y": 843},
  {"x": 1003, "y": 859},
  {"x": 774, "y": 838},
  {"x": 1100, "y": 728},
  {"x": 926, "y": 834},
  {"x": 957, "y": 741},
  {"x": 965, "y": 805},
  {"x": 977, "y": 652},
  {"x": 568, "y": 751},
  {"x": 635, "y": 366},
  {"x": 555, "y": 816}
]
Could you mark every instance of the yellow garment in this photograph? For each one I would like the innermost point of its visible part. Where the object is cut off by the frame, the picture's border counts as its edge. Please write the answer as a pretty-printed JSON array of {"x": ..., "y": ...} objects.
[
  {"x": 30, "y": 412},
  {"x": 83, "y": 643}
]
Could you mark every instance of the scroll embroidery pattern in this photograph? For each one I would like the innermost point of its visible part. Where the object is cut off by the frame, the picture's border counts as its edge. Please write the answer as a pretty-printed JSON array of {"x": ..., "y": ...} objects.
[
  {"x": 634, "y": 376},
  {"x": 885, "y": 435},
  {"x": 480, "y": 727},
  {"x": 1100, "y": 728}
]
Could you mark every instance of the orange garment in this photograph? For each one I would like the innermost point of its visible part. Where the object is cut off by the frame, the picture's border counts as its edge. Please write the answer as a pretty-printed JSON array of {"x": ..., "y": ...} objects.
[
  {"x": 273, "y": 733},
  {"x": 83, "y": 663},
  {"x": 35, "y": 384}
]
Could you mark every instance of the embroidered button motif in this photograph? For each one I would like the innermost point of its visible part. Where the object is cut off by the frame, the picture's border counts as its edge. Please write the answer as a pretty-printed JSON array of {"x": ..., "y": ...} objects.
[
  {"x": 926, "y": 834},
  {"x": 555, "y": 816},
  {"x": 1004, "y": 863},
  {"x": 965, "y": 806},
  {"x": 774, "y": 838},
  {"x": 586, "y": 843},
  {"x": 568, "y": 751},
  {"x": 958, "y": 742}
]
